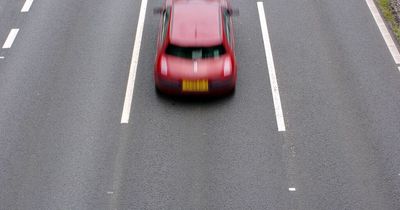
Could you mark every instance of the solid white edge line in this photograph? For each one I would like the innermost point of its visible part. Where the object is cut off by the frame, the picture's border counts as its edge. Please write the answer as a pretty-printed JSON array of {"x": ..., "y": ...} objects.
[
  {"x": 134, "y": 62},
  {"x": 10, "y": 39},
  {"x": 271, "y": 69},
  {"x": 27, "y": 6},
  {"x": 398, "y": 68},
  {"x": 384, "y": 31}
]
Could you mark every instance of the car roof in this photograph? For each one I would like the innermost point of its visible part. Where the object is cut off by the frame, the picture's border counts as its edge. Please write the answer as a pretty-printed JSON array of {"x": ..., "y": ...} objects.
[{"x": 196, "y": 23}]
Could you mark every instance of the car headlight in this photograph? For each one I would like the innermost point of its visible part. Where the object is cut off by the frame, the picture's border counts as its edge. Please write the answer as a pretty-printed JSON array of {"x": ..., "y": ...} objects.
[
  {"x": 164, "y": 66},
  {"x": 227, "y": 67}
]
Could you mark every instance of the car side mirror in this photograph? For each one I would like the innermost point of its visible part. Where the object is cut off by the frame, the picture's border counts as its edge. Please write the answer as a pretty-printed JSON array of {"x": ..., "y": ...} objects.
[
  {"x": 158, "y": 10},
  {"x": 233, "y": 12}
]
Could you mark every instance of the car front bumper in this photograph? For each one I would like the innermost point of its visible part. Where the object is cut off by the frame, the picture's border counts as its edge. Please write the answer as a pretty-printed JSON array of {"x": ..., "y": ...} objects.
[{"x": 215, "y": 87}]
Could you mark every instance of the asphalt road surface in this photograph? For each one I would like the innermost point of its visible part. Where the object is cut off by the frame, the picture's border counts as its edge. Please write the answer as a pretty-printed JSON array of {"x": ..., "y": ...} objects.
[{"x": 62, "y": 89}]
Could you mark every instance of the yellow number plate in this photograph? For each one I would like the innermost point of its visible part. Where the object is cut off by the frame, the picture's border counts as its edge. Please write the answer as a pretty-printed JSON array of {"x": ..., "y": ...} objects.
[{"x": 195, "y": 85}]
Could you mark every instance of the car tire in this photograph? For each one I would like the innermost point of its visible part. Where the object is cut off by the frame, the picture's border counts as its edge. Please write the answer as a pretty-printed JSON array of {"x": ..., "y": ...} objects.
[{"x": 158, "y": 91}]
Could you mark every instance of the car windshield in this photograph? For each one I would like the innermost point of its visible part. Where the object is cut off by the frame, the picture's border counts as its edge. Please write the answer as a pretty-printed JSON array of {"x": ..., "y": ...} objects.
[{"x": 195, "y": 52}]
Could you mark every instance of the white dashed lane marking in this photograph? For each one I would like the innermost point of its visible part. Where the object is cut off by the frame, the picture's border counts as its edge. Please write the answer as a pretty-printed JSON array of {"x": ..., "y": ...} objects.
[
  {"x": 292, "y": 189},
  {"x": 134, "y": 63},
  {"x": 271, "y": 69},
  {"x": 10, "y": 39},
  {"x": 27, "y": 6}
]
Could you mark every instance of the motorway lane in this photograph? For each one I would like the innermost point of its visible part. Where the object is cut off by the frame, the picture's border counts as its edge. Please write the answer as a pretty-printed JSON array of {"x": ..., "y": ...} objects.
[
  {"x": 340, "y": 93},
  {"x": 223, "y": 154},
  {"x": 62, "y": 91},
  {"x": 64, "y": 80}
]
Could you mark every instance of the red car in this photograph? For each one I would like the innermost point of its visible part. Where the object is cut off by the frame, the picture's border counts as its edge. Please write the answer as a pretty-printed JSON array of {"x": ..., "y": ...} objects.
[{"x": 195, "y": 47}]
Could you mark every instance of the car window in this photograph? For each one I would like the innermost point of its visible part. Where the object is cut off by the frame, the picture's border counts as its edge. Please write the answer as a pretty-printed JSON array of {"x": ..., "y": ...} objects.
[
  {"x": 195, "y": 52},
  {"x": 165, "y": 21},
  {"x": 227, "y": 25}
]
